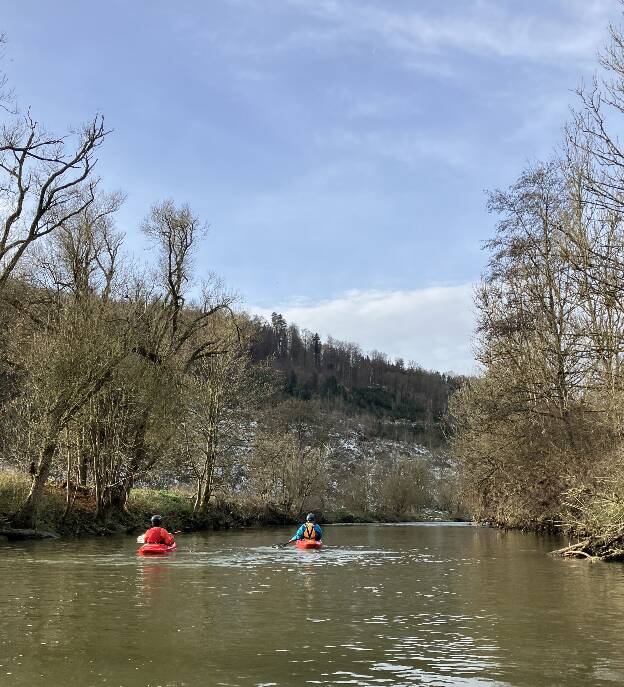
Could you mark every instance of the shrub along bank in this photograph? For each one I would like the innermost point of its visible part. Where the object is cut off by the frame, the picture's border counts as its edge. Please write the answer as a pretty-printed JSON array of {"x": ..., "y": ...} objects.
[
  {"x": 175, "y": 505},
  {"x": 538, "y": 435}
]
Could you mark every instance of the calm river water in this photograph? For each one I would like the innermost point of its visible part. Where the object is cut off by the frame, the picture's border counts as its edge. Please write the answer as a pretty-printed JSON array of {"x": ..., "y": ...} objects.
[{"x": 381, "y": 605}]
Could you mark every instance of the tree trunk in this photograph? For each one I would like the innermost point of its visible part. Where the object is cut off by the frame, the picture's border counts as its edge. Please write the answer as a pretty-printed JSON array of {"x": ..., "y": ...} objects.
[
  {"x": 118, "y": 497},
  {"x": 210, "y": 460},
  {"x": 69, "y": 498},
  {"x": 114, "y": 497},
  {"x": 28, "y": 512},
  {"x": 208, "y": 472},
  {"x": 83, "y": 464},
  {"x": 198, "y": 495}
]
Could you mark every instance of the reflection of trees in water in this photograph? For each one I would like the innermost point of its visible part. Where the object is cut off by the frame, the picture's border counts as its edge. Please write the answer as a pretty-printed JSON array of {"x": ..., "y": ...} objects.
[{"x": 546, "y": 617}]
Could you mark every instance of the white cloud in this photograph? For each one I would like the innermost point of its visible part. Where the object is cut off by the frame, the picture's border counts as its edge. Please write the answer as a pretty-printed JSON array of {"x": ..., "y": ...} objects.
[
  {"x": 483, "y": 27},
  {"x": 407, "y": 148},
  {"x": 432, "y": 326},
  {"x": 420, "y": 38}
]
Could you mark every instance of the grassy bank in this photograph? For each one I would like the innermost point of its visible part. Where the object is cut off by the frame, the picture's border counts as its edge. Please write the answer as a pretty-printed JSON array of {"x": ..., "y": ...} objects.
[{"x": 175, "y": 505}]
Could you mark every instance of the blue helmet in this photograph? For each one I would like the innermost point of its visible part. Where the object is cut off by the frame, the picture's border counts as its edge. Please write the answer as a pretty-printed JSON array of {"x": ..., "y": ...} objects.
[
  {"x": 310, "y": 517},
  {"x": 156, "y": 520}
]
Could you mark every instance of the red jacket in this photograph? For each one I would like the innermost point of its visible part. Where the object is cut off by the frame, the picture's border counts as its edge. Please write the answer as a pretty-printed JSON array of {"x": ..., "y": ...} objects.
[{"x": 158, "y": 535}]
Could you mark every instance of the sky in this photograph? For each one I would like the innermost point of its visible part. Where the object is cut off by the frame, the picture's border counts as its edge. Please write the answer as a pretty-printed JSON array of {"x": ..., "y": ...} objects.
[{"x": 339, "y": 150}]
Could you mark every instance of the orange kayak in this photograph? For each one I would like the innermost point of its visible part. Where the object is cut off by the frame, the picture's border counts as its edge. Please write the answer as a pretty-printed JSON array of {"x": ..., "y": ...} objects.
[
  {"x": 308, "y": 544},
  {"x": 156, "y": 549}
]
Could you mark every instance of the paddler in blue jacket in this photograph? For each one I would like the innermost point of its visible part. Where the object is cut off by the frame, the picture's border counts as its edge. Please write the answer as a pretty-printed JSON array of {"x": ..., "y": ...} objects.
[{"x": 309, "y": 530}]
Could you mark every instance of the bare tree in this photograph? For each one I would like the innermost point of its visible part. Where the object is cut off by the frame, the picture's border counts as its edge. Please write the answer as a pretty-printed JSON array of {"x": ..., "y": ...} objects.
[
  {"x": 220, "y": 395},
  {"x": 70, "y": 336},
  {"x": 44, "y": 183},
  {"x": 171, "y": 336},
  {"x": 290, "y": 457}
]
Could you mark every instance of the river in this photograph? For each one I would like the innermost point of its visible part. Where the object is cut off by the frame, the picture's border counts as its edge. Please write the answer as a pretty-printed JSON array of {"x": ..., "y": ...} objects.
[{"x": 416, "y": 604}]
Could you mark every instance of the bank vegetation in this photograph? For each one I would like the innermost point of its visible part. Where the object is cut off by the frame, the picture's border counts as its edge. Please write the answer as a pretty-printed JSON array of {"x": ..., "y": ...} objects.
[{"x": 539, "y": 435}]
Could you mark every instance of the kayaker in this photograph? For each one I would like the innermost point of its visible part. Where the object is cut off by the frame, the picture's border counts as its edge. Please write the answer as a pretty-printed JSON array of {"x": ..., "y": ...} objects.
[
  {"x": 309, "y": 530},
  {"x": 157, "y": 534}
]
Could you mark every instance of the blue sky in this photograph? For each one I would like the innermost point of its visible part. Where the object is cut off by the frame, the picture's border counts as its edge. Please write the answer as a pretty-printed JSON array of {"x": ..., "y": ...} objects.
[{"x": 338, "y": 149}]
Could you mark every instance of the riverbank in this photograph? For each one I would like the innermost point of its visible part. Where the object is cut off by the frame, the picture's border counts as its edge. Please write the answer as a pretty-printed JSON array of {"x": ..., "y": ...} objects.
[
  {"x": 175, "y": 505},
  {"x": 598, "y": 545}
]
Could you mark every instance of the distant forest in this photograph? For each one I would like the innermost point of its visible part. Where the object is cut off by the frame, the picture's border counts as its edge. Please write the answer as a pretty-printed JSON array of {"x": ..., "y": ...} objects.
[{"x": 342, "y": 377}]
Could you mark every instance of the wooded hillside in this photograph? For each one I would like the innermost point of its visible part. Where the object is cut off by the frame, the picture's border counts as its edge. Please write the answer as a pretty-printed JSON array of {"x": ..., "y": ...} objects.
[
  {"x": 115, "y": 375},
  {"x": 344, "y": 378}
]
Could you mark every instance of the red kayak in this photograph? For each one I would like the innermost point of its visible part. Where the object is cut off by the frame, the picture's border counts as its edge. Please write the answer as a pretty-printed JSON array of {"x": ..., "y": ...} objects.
[
  {"x": 308, "y": 544},
  {"x": 156, "y": 549}
]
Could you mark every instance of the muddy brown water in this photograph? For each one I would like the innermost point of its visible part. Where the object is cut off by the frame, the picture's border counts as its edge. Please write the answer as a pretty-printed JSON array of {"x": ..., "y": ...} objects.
[{"x": 431, "y": 604}]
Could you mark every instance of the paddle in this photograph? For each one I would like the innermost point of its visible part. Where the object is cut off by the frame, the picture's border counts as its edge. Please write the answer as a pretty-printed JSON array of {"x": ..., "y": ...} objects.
[
  {"x": 141, "y": 537},
  {"x": 285, "y": 544}
]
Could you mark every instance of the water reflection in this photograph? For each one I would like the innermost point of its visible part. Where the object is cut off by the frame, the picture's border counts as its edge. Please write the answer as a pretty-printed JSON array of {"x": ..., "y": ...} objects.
[
  {"x": 382, "y": 605},
  {"x": 152, "y": 579}
]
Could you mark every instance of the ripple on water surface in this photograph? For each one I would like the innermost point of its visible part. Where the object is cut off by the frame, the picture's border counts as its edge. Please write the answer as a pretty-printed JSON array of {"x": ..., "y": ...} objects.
[{"x": 381, "y": 605}]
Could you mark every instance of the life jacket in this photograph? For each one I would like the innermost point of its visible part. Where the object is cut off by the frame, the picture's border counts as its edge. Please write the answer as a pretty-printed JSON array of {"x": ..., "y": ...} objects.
[{"x": 310, "y": 532}]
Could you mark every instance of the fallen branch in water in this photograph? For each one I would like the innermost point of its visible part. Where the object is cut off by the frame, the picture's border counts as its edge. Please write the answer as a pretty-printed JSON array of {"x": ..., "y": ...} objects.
[
  {"x": 579, "y": 554},
  {"x": 594, "y": 548},
  {"x": 573, "y": 550}
]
